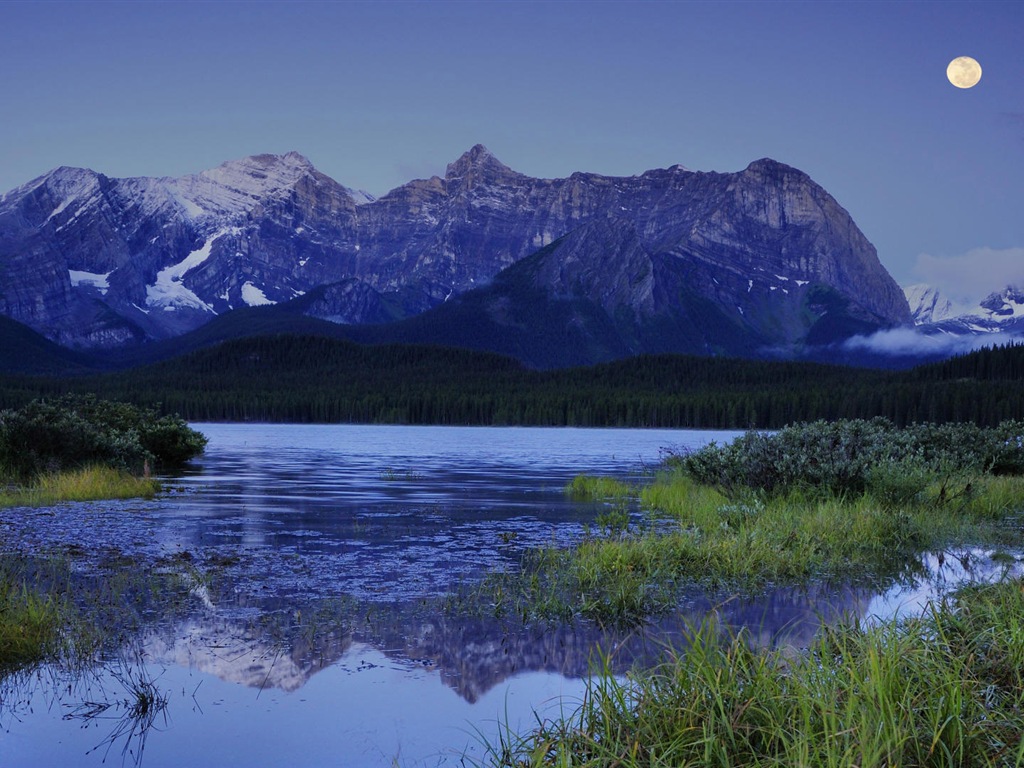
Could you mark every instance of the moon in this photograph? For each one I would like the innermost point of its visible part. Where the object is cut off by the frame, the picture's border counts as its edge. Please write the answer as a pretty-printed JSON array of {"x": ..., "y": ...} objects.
[{"x": 964, "y": 72}]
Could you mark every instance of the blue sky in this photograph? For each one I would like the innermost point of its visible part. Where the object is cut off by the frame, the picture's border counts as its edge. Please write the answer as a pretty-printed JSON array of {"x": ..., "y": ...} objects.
[{"x": 376, "y": 94}]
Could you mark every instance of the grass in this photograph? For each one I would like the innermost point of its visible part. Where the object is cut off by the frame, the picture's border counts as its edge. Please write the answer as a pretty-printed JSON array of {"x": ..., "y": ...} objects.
[
  {"x": 591, "y": 488},
  {"x": 87, "y": 484},
  {"x": 30, "y": 625},
  {"x": 695, "y": 536},
  {"x": 944, "y": 689}
]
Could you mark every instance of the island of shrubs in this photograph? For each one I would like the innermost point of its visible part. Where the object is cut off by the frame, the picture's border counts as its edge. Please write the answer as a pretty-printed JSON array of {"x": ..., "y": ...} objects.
[{"x": 78, "y": 447}]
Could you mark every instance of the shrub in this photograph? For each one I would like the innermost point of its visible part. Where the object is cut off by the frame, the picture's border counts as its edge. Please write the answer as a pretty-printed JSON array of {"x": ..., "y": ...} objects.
[
  {"x": 73, "y": 431},
  {"x": 854, "y": 456}
]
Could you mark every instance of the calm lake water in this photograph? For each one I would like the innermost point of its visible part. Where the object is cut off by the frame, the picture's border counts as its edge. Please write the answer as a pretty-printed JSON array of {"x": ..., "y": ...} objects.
[{"x": 317, "y": 556}]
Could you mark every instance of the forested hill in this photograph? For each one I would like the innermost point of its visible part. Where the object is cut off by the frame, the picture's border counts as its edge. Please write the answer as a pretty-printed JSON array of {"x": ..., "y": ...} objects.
[{"x": 313, "y": 379}]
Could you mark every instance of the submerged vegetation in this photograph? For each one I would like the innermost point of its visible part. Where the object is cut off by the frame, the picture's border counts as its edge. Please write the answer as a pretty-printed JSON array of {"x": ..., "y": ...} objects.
[{"x": 31, "y": 625}]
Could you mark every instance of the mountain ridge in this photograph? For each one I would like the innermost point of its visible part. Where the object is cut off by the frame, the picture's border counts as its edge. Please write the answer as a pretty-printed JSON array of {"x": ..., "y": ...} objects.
[
  {"x": 95, "y": 262},
  {"x": 1001, "y": 311}
]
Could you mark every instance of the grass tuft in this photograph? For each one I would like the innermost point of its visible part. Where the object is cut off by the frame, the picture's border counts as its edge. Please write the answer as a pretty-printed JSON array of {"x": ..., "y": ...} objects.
[
  {"x": 591, "y": 488},
  {"x": 30, "y": 626}
]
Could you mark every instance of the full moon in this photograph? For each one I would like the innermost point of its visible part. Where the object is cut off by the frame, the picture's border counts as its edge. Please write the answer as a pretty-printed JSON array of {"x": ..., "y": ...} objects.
[{"x": 964, "y": 72}]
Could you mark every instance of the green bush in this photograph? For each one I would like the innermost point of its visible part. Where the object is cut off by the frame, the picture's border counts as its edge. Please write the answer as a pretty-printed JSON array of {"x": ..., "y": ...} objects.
[
  {"x": 73, "y": 431},
  {"x": 854, "y": 456}
]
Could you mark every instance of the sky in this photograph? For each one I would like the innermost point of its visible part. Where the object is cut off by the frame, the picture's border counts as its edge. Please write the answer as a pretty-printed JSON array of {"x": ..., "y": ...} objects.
[{"x": 378, "y": 93}]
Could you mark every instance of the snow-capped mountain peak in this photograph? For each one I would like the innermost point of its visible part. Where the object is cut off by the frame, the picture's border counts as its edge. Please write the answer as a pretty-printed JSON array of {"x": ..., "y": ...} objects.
[
  {"x": 235, "y": 187},
  {"x": 927, "y": 304},
  {"x": 999, "y": 311}
]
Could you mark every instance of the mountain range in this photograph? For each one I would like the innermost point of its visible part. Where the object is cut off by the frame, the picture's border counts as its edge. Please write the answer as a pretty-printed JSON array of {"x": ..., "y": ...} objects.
[
  {"x": 553, "y": 271},
  {"x": 1000, "y": 312}
]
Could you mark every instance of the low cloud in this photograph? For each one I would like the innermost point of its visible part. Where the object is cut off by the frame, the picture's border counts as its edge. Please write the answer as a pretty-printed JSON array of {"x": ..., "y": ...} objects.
[
  {"x": 901, "y": 342},
  {"x": 969, "y": 278}
]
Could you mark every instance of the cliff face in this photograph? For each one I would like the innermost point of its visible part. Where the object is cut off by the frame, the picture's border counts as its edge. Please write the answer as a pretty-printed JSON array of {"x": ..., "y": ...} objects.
[{"x": 92, "y": 261}]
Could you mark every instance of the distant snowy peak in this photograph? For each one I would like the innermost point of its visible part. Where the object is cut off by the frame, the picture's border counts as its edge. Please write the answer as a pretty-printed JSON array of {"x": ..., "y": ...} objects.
[
  {"x": 222, "y": 194},
  {"x": 237, "y": 186},
  {"x": 1007, "y": 305},
  {"x": 998, "y": 310},
  {"x": 927, "y": 304},
  {"x": 260, "y": 174}
]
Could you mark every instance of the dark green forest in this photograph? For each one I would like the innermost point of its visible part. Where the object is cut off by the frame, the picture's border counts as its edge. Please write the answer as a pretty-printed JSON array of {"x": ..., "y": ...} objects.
[{"x": 316, "y": 379}]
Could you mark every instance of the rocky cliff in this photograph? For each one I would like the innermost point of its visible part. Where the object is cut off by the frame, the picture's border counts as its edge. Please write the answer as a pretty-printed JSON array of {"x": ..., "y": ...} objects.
[{"x": 765, "y": 253}]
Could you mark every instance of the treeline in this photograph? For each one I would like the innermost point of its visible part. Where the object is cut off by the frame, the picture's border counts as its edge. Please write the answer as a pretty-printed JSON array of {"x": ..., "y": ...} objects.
[{"x": 314, "y": 379}]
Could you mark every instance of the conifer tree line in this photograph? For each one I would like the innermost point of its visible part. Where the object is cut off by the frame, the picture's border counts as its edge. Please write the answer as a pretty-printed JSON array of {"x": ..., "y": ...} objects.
[{"x": 315, "y": 379}]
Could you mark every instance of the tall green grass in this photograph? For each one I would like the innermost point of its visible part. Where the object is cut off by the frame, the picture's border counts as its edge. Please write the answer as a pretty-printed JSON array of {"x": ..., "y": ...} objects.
[
  {"x": 30, "y": 625},
  {"x": 696, "y": 536},
  {"x": 85, "y": 484},
  {"x": 945, "y": 689},
  {"x": 596, "y": 488}
]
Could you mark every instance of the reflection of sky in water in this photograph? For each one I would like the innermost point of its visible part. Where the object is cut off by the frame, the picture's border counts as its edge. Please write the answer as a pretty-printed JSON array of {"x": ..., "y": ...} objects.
[
  {"x": 366, "y": 710},
  {"x": 384, "y": 514},
  {"x": 943, "y": 574}
]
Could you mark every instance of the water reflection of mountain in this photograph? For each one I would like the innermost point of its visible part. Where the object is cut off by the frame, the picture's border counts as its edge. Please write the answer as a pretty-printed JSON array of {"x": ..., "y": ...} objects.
[
  {"x": 283, "y": 647},
  {"x": 244, "y": 654}
]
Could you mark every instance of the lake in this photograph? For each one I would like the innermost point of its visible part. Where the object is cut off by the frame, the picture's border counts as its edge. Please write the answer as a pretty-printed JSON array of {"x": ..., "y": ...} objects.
[{"x": 313, "y": 632}]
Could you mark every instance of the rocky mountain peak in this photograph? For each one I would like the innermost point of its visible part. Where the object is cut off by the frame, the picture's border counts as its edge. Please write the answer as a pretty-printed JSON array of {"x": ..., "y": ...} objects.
[
  {"x": 476, "y": 163},
  {"x": 261, "y": 172},
  {"x": 770, "y": 168}
]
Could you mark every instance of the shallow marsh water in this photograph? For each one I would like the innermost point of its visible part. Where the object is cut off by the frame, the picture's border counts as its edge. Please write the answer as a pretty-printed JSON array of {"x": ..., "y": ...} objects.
[{"x": 316, "y": 556}]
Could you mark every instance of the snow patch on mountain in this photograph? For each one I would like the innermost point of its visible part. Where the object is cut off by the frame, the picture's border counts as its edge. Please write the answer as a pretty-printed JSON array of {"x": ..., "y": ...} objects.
[
  {"x": 60, "y": 208},
  {"x": 91, "y": 279},
  {"x": 169, "y": 292},
  {"x": 254, "y": 296},
  {"x": 361, "y": 196},
  {"x": 190, "y": 207}
]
